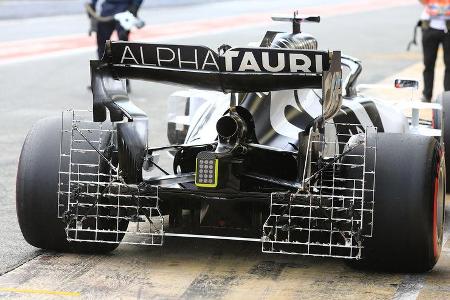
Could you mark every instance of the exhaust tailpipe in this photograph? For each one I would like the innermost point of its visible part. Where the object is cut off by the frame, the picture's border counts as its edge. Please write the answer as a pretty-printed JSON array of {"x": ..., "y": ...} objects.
[{"x": 227, "y": 127}]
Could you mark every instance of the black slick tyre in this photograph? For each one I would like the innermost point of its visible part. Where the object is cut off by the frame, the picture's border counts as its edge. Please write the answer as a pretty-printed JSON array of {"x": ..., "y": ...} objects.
[
  {"x": 409, "y": 204},
  {"x": 37, "y": 192}
]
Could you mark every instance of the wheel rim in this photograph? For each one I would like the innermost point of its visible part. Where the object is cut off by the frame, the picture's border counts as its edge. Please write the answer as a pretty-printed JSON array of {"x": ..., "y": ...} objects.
[{"x": 439, "y": 207}]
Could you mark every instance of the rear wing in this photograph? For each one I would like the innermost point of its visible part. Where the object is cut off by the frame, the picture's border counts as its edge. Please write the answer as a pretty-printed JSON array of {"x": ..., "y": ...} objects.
[{"x": 231, "y": 70}]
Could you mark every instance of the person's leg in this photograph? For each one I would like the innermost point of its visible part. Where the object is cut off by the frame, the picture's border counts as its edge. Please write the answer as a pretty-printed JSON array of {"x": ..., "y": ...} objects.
[
  {"x": 104, "y": 32},
  {"x": 446, "y": 44},
  {"x": 123, "y": 35},
  {"x": 430, "y": 44}
]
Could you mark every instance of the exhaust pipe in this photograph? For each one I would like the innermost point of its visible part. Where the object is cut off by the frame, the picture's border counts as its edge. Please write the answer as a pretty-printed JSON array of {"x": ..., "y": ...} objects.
[
  {"x": 227, "y": 127},
  {"x": 231, "y": 129}
]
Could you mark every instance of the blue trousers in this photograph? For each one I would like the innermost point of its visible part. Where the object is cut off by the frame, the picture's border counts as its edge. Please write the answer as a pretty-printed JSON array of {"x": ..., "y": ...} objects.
[{"x": 106, "y": 29}]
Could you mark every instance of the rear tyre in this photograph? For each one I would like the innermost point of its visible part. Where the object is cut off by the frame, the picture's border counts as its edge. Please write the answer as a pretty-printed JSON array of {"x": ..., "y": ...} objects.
[
  {"x": 409, "y": 204},
  {"x": 36, "y": 191}
]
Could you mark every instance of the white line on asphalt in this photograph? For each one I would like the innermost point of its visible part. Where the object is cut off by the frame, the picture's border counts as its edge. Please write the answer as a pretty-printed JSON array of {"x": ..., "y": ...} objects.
[{"x": 410, "y": 287}]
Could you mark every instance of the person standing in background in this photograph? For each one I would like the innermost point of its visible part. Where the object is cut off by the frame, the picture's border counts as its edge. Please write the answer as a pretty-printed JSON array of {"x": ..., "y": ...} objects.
[
  {"x": 435, "y": 31},
  {"x": 106, "y": 29}
]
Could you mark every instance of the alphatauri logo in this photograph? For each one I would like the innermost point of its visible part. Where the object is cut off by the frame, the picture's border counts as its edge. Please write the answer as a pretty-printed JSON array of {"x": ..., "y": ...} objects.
[{"x": 235, "y": 60}]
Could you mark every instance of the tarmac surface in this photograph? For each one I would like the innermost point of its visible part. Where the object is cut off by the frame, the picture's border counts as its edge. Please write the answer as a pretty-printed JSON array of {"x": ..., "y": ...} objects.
[
  {"x": 44, "y": 80},
  {"x": 22, "y": 9}
]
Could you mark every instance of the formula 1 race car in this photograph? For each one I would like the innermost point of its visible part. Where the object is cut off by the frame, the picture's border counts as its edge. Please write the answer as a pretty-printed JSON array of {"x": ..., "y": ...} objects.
[{"x": 273, "y": 146}]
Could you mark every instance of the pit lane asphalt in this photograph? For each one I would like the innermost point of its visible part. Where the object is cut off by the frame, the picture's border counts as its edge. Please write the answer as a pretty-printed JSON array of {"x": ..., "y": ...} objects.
[{"x": 44, "y": 87}]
